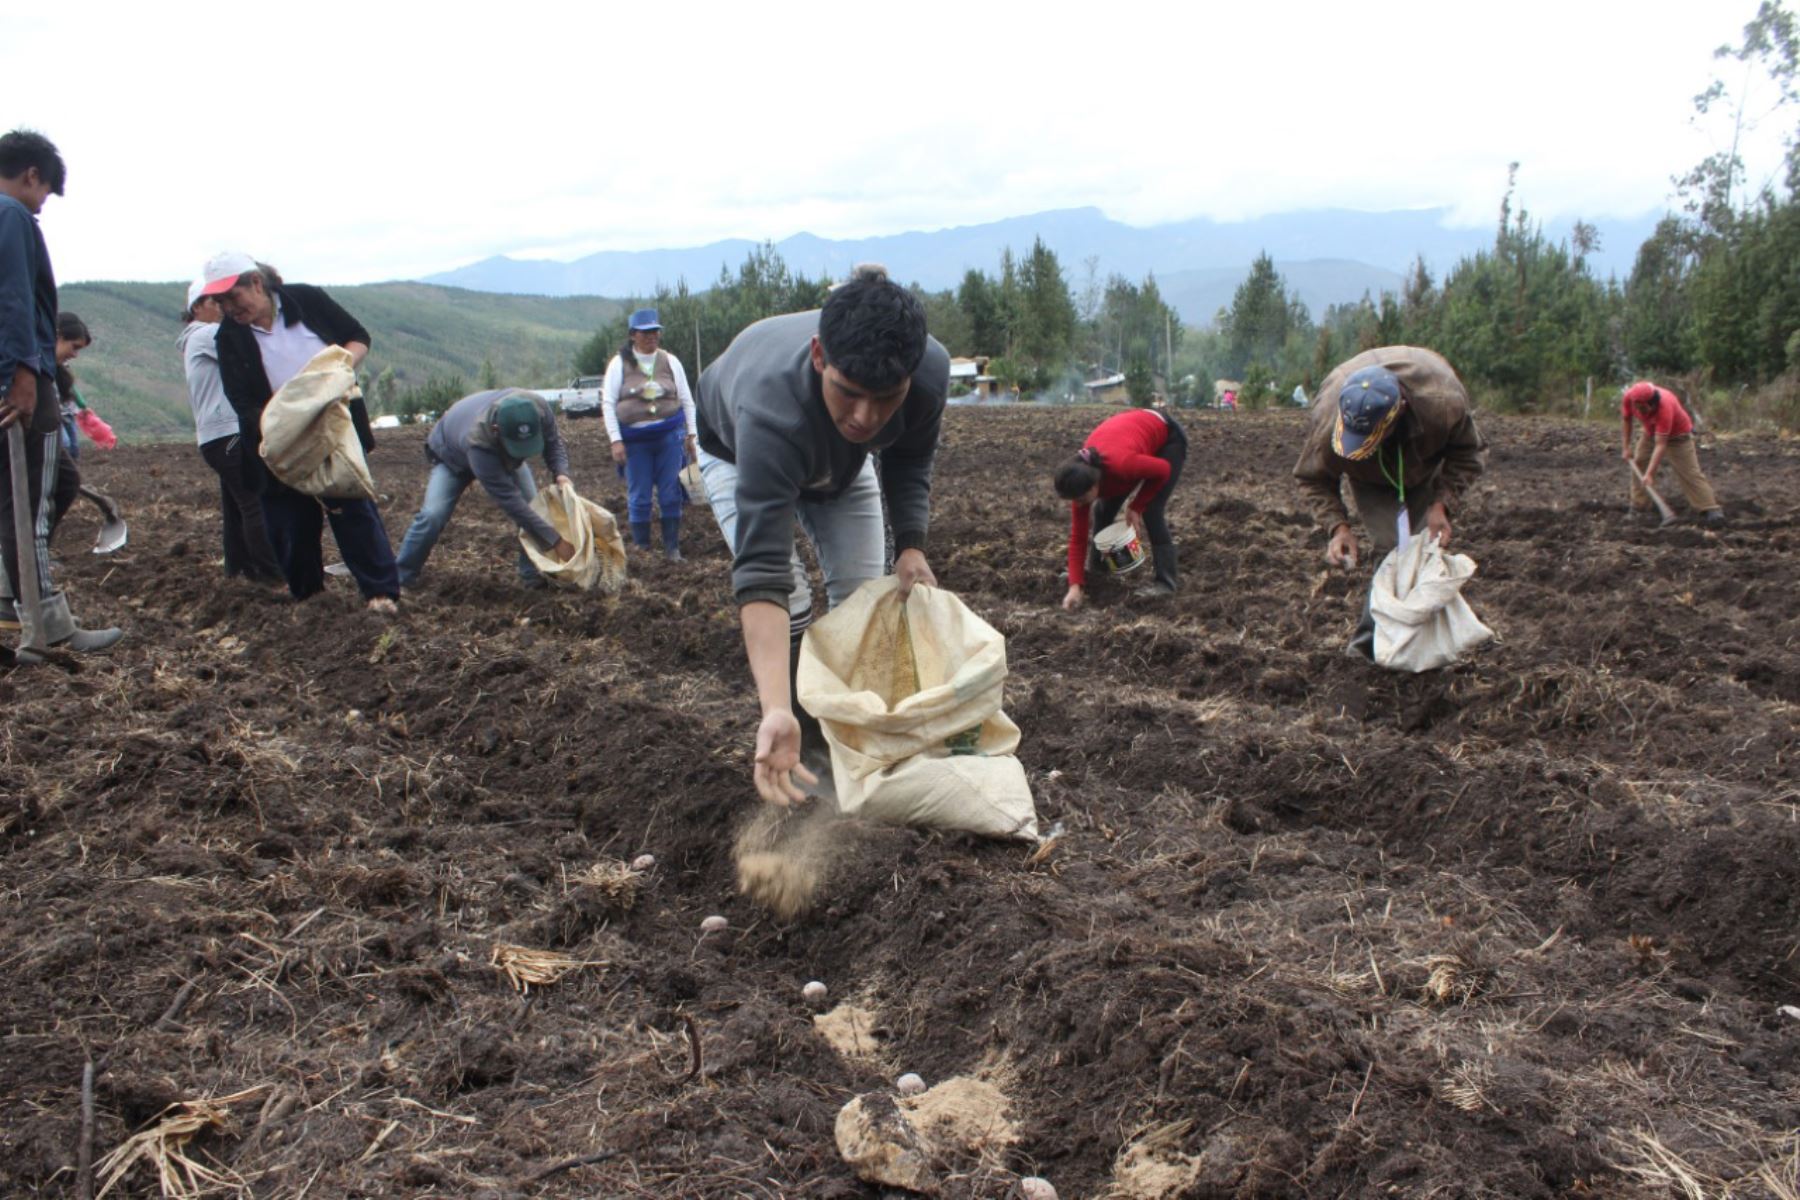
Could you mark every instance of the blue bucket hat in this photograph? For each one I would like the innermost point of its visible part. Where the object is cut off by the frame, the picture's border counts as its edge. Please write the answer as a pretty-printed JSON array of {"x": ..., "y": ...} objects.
[
  {"x": 644, "y": 320},
  {"x": 1368, "y": 405},
  {"x": 520, "y": 425}
]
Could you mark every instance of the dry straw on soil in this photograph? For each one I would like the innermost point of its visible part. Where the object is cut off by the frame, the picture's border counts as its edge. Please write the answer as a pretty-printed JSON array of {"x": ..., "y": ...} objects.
[
  {"x": 163, "y": 1147},
  {"x": 526, "y": 968},
  {"x": 1516, "y": 929}
]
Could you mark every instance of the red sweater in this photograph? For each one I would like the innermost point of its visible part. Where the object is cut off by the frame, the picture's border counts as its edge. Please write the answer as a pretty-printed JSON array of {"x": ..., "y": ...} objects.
[
  {"x": 1127, "y": 443},
  {"x": 1669, "y": 420}
]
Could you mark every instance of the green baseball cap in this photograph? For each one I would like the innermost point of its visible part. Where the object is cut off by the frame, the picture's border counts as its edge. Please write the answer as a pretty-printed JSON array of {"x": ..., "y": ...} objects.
[{"x": 520, "y": 424}]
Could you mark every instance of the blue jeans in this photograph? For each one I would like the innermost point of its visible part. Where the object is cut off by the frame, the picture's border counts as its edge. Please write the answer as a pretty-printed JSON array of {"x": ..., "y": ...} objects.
[
  {"x": 653, "y": 462},
  {"x": 442, "y": 490},
  {"x": 847, "y": 534}
]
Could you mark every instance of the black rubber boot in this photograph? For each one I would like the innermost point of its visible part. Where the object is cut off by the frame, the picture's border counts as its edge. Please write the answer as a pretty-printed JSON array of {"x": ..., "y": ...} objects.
[
  {"x": 671, "y": 531},
  {"x": 813, "y": 749},
  {"x": 1362, "y": 642},
  {"x": 1167, "y": 580},
  {"x": 640, "y": 534}
]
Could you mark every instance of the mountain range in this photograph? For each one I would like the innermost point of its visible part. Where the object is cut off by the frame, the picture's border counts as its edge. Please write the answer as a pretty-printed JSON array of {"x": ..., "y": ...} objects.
[
  {"x": 1326, "y": 256},
  {"x": 528, "y": 318},
  {"x": 132, "y": 373}
]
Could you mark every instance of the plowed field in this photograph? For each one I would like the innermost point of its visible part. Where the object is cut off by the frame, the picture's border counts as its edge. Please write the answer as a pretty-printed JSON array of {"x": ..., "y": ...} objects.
[{"x": 1521, "y": 928}]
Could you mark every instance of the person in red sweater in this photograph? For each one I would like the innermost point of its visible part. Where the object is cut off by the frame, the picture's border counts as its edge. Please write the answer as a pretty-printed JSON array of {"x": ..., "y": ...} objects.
[
  {"x": 1668, "y": 436},
  {"x": 1138, "y": 450}
]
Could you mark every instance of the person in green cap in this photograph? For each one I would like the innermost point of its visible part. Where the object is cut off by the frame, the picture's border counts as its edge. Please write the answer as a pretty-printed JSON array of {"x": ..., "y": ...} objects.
[{"x": 489, "y": 436}]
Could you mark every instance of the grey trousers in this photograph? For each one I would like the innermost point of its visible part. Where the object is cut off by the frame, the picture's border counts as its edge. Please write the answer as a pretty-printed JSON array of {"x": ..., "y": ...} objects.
[{"x": 846, "y": 534}]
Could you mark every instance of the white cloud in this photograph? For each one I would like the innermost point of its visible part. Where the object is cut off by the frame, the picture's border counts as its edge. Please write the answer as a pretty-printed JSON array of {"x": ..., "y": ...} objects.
[{"x": 378, "y": 141}]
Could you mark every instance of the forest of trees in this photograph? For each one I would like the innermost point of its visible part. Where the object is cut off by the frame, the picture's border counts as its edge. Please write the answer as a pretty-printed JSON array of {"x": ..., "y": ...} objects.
[
  {"x": 1713, "y": 299},
  {"x": 1038, "y": 334}
]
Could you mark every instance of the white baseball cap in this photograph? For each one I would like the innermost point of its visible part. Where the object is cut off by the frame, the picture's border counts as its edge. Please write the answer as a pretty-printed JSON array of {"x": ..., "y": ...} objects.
[
  {"x": 222, "y": 271},
  {"x": 196, "y": 290}
]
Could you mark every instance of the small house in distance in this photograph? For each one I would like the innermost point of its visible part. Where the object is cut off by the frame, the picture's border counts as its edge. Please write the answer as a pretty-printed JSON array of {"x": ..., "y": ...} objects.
[
  {"x": 1108, "y": 389},
  {"x": 969, "y": 376}
]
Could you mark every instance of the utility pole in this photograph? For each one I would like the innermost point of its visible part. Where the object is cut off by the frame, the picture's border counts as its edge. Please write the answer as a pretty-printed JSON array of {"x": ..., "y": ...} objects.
[{"x": 1169, "y": 346}]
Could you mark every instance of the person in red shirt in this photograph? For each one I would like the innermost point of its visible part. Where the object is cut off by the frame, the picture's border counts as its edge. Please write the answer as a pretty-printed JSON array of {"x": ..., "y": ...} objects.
[
  {"x": 1140, "y": 449},
  {"x": 1668, "y": 436}
]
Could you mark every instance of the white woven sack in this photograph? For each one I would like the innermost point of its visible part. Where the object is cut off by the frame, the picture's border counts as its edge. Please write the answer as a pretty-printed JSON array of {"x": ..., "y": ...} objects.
[
  {"x": 1422, "y": 620},
  {"x": 909, "y": 697},
  {"x": 599, "y": 558},
  {"x": 309, "y": 441}
]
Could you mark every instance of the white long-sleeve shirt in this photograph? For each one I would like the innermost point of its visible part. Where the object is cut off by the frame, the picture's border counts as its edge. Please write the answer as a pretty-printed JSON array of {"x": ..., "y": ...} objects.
[{"x": 615, "y": 379}]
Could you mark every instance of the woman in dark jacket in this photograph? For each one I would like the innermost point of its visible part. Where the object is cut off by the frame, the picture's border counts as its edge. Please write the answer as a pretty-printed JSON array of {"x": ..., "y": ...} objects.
[{"x": 271, "y": 330}]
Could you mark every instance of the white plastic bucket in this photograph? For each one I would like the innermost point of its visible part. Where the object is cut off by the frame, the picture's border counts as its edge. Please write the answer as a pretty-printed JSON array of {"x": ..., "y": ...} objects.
[
  {"x": 690, "y": 479},
  {"x": 1119, "y": 548}
]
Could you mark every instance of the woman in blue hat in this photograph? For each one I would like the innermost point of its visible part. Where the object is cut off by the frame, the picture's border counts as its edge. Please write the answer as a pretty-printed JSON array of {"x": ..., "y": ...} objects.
[{"x": 649, "y": 415}]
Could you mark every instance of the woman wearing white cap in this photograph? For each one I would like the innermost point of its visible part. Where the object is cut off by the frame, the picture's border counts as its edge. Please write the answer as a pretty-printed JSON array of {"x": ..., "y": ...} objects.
[
  {"x": 270, "y": 331},
  {"x": 247, "y": 551}
]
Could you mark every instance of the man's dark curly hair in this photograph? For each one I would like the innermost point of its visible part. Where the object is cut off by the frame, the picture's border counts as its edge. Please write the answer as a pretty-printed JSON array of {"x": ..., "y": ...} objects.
[{"x": 873, "y": 330}]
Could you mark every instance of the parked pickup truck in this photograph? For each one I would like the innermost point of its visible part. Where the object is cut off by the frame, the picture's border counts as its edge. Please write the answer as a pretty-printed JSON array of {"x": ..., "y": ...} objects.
[{"x": 580, "y": 399}]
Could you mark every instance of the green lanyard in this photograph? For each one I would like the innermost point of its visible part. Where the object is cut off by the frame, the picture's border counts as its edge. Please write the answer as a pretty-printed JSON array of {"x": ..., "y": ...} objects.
[{"x": 1399, "y": 484}]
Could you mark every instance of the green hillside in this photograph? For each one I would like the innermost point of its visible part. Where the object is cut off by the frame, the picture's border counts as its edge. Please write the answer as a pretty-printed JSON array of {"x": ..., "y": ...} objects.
[{"x": 132, "y": 373}]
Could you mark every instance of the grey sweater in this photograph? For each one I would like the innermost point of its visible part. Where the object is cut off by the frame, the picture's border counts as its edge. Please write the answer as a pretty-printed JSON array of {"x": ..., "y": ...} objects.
[
  {"x": 465, "y": 441},
  {"x": 761, "y": 407},
  {"x": 214, "y": 417}
]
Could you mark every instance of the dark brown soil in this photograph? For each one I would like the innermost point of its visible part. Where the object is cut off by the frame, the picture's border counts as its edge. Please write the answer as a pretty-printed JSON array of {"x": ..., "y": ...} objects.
[{"x": 1521, "y": 928}]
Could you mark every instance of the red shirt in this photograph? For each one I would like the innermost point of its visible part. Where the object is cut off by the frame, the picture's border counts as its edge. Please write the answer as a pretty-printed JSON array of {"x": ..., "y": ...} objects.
[
  {"x": 1127, "y": 443},
  {"x": 1669, "y": 419}
]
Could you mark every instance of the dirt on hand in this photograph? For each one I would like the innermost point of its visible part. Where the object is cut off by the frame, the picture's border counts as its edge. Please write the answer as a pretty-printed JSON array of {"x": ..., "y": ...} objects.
[{"x": 783, "y": 856}]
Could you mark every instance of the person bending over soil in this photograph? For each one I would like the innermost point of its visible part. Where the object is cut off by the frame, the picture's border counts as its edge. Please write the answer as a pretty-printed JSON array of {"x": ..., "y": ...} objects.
[
  {"x": 789, "y": 416},
  {"x": 1395, "y": 421},
  {"x": 1668, "y": 436},
  {"x": 270, "y": 332},
  {"x": 1142, "y": 449},
  {"x": 490, "y": 436}
]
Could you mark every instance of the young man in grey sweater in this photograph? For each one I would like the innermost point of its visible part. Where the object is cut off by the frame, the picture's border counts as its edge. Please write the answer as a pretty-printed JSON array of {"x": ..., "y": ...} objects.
[{"x": 789, "y": 417}]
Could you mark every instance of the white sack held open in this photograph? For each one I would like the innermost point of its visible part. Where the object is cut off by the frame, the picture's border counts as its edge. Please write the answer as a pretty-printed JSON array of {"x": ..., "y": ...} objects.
[
  {"x": 308, "y": 439},
  {"x": 1421, "y": 619},
  {"x": 599, "y": 558},
  {"x": 908, "y": 696}
]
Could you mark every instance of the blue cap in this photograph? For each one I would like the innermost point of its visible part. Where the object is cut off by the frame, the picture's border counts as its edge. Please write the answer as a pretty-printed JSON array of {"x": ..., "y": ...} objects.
[
  {"x": 1368, "y": 404},
  {"x": 644, "y": 319}
]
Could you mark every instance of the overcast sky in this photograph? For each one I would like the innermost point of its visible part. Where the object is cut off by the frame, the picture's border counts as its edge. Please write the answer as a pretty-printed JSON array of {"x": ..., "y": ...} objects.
[{"x": 354, "y": 142}]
